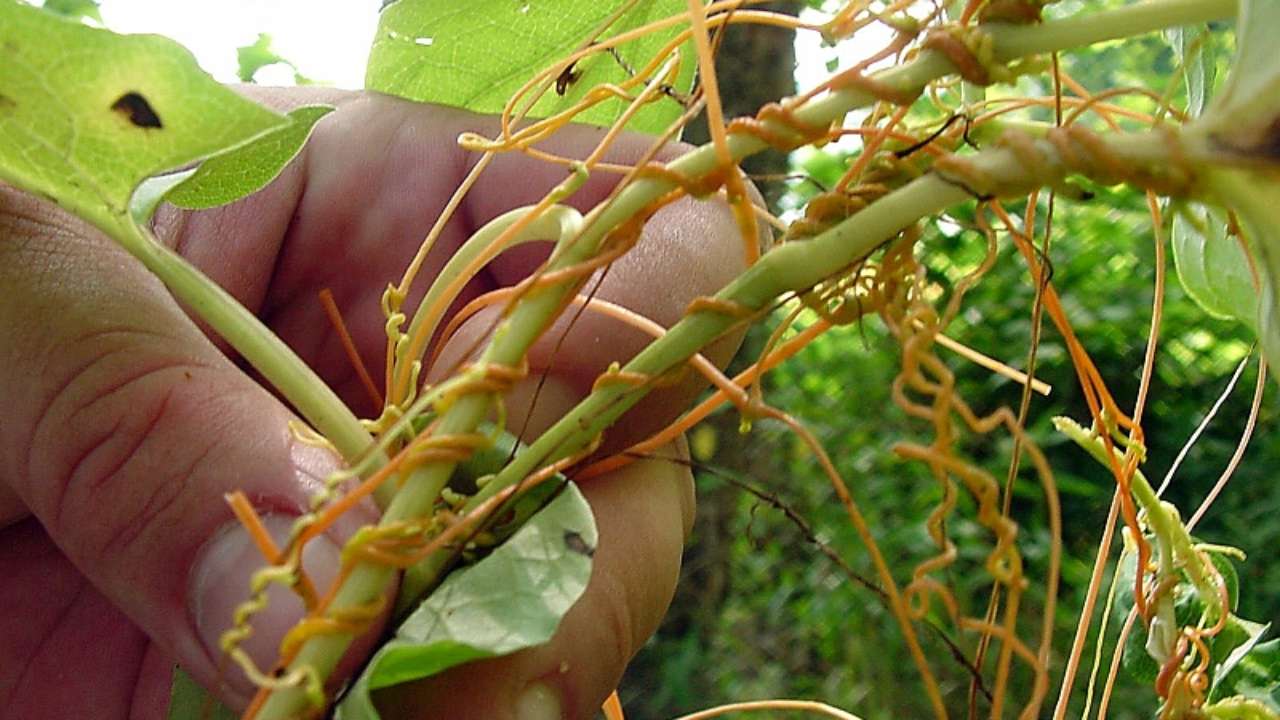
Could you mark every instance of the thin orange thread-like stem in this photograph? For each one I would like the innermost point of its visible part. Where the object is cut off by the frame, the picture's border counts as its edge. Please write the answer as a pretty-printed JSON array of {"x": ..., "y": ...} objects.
[
  {"x": 612, "y": 707},
  {"x": 349, "y": 346},
  {"x": 706, "y": 407},
  {"x": 737, "y": 191},
  {"x": 257, "y": 532},
  {"x": 869, "y": 149}
]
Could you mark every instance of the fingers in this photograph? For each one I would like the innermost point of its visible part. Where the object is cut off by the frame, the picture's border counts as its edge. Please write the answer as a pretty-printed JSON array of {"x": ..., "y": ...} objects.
[
  {"x": 123, "y": 429},
  {"x": 63, "y": 646},
  {"x": 377, "y": 174},
  {"x": 642, "y": 512}
]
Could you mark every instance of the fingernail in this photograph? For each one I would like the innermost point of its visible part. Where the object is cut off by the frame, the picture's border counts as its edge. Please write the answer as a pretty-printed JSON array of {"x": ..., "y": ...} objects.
[
  {"x": 221, "y": 582},
  {"x": 538, "y": 702}
]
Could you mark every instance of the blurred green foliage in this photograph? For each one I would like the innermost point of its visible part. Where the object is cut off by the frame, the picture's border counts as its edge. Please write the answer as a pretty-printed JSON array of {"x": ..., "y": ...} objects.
[{"x": 763, "y": 613}]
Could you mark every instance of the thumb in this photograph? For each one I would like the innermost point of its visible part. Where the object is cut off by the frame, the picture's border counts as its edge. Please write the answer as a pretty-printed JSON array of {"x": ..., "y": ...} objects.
[{"x": 122, "y": 429}]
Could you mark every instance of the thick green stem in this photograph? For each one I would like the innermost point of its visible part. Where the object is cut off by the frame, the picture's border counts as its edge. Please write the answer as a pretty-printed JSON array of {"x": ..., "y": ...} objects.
[
  {"x": 1172, "y": 538},
  {"x": 254, "y": 341}
]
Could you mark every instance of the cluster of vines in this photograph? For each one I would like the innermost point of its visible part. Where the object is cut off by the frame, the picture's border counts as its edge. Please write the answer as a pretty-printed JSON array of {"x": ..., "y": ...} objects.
[{"x": 852, "y": 256}]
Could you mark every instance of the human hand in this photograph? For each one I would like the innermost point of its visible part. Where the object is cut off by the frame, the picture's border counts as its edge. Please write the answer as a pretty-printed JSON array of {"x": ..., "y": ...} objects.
[{"x": 122, "y": 425}]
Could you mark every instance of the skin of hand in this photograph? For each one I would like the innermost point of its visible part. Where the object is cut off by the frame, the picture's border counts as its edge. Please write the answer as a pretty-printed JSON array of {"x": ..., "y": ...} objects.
[{"x": 122, "y": 424}]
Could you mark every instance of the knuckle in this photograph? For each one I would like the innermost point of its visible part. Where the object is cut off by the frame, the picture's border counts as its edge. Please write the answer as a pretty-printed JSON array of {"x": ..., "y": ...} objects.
[{"x": 109, "y": 433}]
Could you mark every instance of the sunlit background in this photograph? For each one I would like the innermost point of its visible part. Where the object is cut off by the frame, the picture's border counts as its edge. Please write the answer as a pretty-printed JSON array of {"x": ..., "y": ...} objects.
[{"x": 328, "y": 42}]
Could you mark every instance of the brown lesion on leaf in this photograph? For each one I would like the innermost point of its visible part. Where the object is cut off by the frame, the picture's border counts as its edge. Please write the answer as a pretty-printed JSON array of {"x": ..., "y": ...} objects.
[
  {"x": 574, "y": 541},
  {"x": 135, "y": 108},
  {"x": 7, "y": 103}
]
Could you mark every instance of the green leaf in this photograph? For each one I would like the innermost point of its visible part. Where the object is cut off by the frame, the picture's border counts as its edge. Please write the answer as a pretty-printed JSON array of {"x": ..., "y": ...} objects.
[
  {"x": 511, "y": 600},
  {"x": 475, "y": 55},
  {"x": 245, "y": 170},
  {"x": 1226, "y": 567},
  {"x": 1188, "y": 611},
  {"x": 1243, "y": 117},
  {"x": 86, "y": 114},
  {"x": 1212, "y": 265},
  {"x": 74, "y": 9},
  {"x": 1239, "y": 708},
  {"x": 188, "y": 700},
  {"x": 1255, "y": 198},
  {"x": 1251, "y": 671},
  {"x": 252, "y": 58},
  {"x": 1253, "y": 634},
  {"x": 1192, "y": 46}
]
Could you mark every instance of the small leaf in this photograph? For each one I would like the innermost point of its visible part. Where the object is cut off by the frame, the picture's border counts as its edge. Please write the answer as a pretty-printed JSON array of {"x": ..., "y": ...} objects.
[
  {"x": 86, "y": 114},
  {"x": 1212, "y": 265},
  {"x": 1254, "y": 195},
  {"x": 1253, "y": 632},
  {"x": 74, "y": 9},
  {"x": 188, "y": 700},
  {"x": 475, "y": 55},
  {"x": 252, "y": 58},
  {"x": 232, "y": 175},
  {"x": 1226, "y": 567},
  {"x": 1252, "y": 671},
  {"x": 511, "y": 600},
  {"x": 1193, "y": 47}
]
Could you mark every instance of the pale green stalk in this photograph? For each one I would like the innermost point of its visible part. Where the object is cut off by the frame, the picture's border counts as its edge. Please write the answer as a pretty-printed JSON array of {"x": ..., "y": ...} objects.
[
  {"x": 791, "y": 267},
  {"x": 297, "y": 382},
  {"x": 1172, "y": 538}
]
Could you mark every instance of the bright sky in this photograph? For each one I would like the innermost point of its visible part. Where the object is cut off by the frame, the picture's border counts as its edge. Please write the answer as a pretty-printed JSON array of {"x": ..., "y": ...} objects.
[{"x": 327, "y": 39}]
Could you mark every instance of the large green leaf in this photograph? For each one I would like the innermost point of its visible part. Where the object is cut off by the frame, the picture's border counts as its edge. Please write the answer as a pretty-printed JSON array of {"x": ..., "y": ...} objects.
[
  {"x": 86, "y": 114},
  {"x": 1212, "y": 265},
  {"x": 476, "y": 54},
  {"x": 511, "y": 600}
]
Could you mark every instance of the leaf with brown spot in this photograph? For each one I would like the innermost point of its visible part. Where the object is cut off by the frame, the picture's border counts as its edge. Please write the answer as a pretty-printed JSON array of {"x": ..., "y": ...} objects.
[{"x": 85, "y": 106}]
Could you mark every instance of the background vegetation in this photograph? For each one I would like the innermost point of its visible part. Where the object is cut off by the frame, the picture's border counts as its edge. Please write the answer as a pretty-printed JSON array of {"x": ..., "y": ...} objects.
[{"x": 762, "y": 612}]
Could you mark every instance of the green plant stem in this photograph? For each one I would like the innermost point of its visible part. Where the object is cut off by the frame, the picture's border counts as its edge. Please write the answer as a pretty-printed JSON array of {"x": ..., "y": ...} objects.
[
  {"x": 791, "y": 267},
  {"x": 1172, "y": 538},
  {"x": 297, "y": 382},
  {"x": 1016, "y": 41},
  {"x": 557, "y": 222}
]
